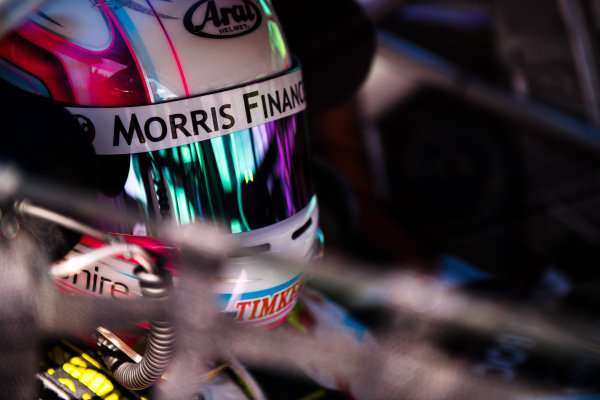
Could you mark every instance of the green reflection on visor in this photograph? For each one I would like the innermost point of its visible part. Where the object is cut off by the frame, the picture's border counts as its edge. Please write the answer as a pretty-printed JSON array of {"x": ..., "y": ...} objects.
[{"x": 239, "y": 182}]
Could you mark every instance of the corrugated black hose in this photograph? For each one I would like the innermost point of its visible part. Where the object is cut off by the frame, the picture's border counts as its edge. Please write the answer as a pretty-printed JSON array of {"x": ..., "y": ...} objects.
[{"x": 161, "y": 342}]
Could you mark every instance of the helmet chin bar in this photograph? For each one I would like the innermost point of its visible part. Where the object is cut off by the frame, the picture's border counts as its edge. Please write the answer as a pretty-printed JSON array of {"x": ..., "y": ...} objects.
[{"x": 129, "y": 369}]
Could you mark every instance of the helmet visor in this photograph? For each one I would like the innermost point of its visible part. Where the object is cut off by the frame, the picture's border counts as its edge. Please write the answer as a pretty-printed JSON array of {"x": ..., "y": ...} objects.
[{"x": 240, "y": 182}]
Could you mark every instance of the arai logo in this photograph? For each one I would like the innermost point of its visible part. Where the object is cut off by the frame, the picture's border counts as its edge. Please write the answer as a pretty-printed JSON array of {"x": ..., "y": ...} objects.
[{"x": 220, "y": 19}]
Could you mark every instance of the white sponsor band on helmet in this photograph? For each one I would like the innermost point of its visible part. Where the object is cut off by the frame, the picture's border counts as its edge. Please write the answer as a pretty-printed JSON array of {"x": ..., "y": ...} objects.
[{"x": 127, "y": 130}]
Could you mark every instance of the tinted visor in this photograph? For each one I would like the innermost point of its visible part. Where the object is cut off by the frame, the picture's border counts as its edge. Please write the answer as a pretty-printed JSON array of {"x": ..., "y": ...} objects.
[{"x": 242, "y": 181}]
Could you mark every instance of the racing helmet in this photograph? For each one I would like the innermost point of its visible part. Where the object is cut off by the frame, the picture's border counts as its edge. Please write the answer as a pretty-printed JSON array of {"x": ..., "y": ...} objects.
[{"x": 195, "y": 109}]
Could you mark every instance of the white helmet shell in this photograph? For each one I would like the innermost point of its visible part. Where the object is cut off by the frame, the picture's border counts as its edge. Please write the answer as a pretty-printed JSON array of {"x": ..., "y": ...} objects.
[
  {"x": 182, "y": 48},
  {"x": 203, "y": 102}
]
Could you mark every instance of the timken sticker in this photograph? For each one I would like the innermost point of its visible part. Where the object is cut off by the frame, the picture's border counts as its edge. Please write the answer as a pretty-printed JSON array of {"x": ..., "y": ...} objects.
[
  {"x": 128, "y": 130},
  {"x": 268, "y": 307}
]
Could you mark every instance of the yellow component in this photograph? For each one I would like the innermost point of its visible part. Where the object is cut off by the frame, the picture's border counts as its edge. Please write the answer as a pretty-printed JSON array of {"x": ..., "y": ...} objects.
[
  {"x": 90, "y": 378},
  {"x": 100, "y": 385},
  {"x": 105, "y": 388},
  {"x": 68, "y": 383},
  {"x": 79, "y": 362},
  {"x": 96, "y": 382},
  {"x": 91, "y": 360},
  {"x": 75, "y": 372},
  {"x": 78, "y": 367}
]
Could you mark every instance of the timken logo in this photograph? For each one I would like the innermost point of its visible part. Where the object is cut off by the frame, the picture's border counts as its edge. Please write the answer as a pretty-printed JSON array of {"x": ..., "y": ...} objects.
[
  {"x": 268, "y": 307},
  {"x": 220, "y": 19}
]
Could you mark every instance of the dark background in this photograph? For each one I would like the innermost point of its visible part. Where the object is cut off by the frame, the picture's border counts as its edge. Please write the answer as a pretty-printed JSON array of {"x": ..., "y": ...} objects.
[
  {"x": 450, "y": 173},
  {"x": 470, "y": 134}
]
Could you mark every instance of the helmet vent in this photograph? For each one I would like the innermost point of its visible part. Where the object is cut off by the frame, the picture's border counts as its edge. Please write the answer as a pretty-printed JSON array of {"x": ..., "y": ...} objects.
[
  {"x": 249, "y": 251},
  {"x": 301, "y": 230}
]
